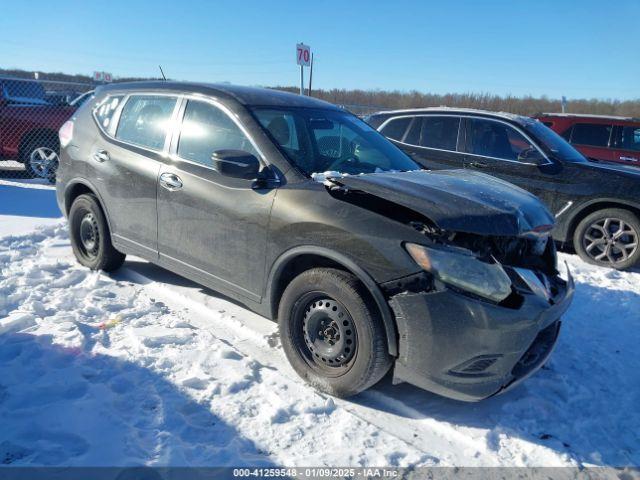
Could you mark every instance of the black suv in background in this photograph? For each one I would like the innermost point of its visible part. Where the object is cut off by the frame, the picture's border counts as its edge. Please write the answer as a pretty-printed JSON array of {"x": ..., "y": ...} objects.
[
  {"x": 449, "y": 276},
  {"x": 596, "y": 205}
]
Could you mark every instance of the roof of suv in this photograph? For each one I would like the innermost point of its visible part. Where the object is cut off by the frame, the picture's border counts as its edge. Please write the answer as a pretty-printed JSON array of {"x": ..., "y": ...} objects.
[
  {"x": 461, "y": 111},
  {"x": 248, "y": 96},
  {"x": 588, "y": 115}
]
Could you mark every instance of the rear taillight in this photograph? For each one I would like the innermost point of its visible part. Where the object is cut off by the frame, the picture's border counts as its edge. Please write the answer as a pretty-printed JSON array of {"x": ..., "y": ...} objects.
[{"x": 66, "y": 133}]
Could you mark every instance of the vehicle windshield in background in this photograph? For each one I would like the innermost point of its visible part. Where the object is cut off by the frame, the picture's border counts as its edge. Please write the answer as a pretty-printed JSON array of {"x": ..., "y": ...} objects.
[
  {"x": 24, "y": 91},
  {"x": 554, "y": 143},
  {"x": 324, "y": 140}
]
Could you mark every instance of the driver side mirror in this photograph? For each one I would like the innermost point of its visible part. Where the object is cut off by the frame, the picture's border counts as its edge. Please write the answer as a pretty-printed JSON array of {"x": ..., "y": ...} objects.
[
  {"x": 531, "y": 155},
  {"x": 236, "y": 164}
]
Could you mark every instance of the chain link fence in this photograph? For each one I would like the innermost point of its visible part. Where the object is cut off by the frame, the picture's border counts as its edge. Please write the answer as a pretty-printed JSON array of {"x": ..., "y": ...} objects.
[{"x": 31, "y": 114}]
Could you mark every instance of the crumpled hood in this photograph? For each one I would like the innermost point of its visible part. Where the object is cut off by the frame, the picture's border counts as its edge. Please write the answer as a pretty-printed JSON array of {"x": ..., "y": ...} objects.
[{"x": 457, "y": 200}]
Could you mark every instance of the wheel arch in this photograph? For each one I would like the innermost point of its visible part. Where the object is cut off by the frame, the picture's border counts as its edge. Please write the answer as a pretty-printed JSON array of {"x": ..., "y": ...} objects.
[
  {"x": 78, "y": 187},
  {"x": 302, "y": 258},
  {"x": 594, "y": 206}
]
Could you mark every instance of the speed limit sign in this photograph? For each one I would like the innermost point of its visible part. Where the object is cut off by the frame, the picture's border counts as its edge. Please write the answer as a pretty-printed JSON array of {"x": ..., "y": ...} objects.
[{"x": 303, "y": 54}]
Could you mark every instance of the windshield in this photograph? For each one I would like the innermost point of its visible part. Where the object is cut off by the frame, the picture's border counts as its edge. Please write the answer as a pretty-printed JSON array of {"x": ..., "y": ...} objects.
[
  {"x": 23, "y": 89},
  {"x": 554, "y": 143},
  {"x": 317, "y": 140}
]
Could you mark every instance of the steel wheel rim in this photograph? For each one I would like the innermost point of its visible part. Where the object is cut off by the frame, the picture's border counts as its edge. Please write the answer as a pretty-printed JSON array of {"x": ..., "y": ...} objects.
[
  {"x": 610, "y": 240},
  {"x": 89, "y": 235},
  {"x": 328, "y": 336},
  {"x": 43, "y": 162}
]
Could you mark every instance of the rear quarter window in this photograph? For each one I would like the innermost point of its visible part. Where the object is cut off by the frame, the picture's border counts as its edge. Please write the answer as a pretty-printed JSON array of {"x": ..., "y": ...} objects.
[{"x": 104, "y": 111}]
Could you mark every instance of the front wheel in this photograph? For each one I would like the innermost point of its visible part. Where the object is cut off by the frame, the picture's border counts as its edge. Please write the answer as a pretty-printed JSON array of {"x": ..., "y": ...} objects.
[
  {"x": 332, "y": 333},
  {"x": 609, "y": 238},
  {"x": 90, "y": 237}
]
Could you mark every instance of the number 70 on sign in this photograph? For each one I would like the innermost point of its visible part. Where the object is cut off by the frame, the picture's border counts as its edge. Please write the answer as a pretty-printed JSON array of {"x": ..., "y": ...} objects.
[{"x": 303, "y": 54}]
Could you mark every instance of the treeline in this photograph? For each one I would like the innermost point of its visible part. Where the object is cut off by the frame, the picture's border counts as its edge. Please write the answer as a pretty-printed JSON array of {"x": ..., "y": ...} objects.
[
  {"x": 383, "y": 100},
  {"x": 367, "y": 101},
  {"x": 61, "y": 77}
]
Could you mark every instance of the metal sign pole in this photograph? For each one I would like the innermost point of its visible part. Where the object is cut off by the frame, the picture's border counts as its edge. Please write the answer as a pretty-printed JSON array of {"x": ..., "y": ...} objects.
[
  {"x": 301, "y": 80},
  {"x": 310, "y": 75}
]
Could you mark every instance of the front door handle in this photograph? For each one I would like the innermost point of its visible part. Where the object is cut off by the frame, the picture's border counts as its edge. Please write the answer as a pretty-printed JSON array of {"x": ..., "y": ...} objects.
[
  {"x": 101, "y": 156},
  {"x": 477, "y": 164},
  {"x": 170, "y": 181},
  {"x": 628, "y": 159}
]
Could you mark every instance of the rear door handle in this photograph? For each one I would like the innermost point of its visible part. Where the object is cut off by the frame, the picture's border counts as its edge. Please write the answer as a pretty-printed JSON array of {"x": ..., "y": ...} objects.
[
  {"x": 101, "y": 156},
  {"x": 477, "y": 164},
  {"x": 629, "y": 159},
  {"x": 170, "y": 181}
]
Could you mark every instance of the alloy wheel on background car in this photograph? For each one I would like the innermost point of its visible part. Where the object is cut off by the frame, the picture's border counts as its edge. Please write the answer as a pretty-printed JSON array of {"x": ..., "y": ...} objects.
[
  {"x": 610, "y": 240},
  {"x": 43, "y": 162}
]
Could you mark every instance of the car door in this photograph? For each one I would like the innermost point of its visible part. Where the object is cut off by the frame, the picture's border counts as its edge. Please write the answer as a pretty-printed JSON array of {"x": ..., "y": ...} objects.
[
  {"x": 431, "y": 140},
  {"x": 496, "y": 148},
  {"x": 593, "y": 140},
  {"x": 124, "y": 164},
  {"x": 212, "y": 228},
  {"x": 628, "y": 145}
]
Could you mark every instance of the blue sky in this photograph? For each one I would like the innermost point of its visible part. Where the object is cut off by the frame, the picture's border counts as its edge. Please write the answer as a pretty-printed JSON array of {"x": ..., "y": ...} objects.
[{"x": 581, "y": 48}]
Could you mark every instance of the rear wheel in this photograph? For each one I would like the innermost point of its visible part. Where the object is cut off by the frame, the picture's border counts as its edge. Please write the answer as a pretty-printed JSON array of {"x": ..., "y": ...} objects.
[
  {"x": 331, "y": 332},
  {"x": 90, "y": 237},
  {"x": 41, "y": 158},
  {"x": 609, "y": 238}
]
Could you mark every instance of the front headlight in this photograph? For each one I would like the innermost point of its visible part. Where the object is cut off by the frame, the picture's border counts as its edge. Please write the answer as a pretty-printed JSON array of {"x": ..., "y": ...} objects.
[{"x": 463, "y": 271}]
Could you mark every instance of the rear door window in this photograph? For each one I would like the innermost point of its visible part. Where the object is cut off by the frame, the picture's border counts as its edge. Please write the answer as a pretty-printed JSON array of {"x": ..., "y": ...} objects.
[
  {"x": 145, "y": 120},
  {"x": 396, "y": 127},
  {"x": 439, "y": 132},
  {"x": 630, "y": 138},
  {"x": 487, "y": 138},
  {"x": 595, "y": 135}
]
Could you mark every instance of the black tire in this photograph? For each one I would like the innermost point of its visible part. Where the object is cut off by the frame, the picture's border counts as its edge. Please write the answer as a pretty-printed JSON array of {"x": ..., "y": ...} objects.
[
  {"x": 87, "y": 221},
  {"x": 615, "y": 246},
  {"x": 337, "y": 306},
  {"x": 41, "y": 157}
]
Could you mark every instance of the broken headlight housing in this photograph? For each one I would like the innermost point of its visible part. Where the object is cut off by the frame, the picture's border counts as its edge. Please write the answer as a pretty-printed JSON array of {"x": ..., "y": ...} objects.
[{"x": 461, "y": 269}]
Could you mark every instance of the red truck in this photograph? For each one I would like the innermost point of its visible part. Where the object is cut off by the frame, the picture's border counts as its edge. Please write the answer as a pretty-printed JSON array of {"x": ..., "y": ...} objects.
[
  {"x": 602, "y": 138},
  {"x": 29, "y": 125}
]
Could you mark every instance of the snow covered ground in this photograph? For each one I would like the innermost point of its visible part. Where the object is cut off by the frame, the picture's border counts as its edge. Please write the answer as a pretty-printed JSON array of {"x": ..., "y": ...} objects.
[{"x": 143, "y": 367}]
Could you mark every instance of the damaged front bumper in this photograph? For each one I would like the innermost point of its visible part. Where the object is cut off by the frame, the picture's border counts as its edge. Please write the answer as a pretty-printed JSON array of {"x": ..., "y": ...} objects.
[{"x": 469, "y": 349}]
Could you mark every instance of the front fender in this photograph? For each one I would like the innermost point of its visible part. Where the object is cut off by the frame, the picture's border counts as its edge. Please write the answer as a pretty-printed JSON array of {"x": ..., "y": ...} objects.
[{"x": 283, "y": 260}]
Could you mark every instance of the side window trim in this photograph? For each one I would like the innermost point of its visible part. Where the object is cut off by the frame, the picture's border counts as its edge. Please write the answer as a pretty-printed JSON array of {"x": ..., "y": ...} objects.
[
  {"x": 568, "y": 138},
  {"x": 113, "y": 126},
  {"x": 513, "y": 127},
  {"x": 177, "y": 128},
  {"x": 406, "y": 132}
]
